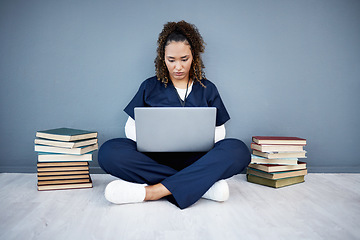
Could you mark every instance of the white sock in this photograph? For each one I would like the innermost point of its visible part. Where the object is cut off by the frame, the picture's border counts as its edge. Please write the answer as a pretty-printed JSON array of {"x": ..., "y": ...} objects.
[
  {"x": 121, "y": 192},
  {"x": 218, "y": 192}
]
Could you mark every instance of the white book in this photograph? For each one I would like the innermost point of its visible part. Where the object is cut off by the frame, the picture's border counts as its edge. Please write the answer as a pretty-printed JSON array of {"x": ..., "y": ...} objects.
[
  {"x": 76, "y": 151},
  {"x": 76, "y": 144},
  {"x": 57, "y": 157}
]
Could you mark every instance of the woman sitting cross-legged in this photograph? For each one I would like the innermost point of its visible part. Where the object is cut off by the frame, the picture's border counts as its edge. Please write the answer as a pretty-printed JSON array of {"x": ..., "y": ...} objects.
[{"x": 182, "y": 178}]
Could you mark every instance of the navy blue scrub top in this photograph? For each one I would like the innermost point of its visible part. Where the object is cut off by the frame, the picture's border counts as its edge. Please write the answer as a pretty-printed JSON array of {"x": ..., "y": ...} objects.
[{"x": 153, "y": 93}]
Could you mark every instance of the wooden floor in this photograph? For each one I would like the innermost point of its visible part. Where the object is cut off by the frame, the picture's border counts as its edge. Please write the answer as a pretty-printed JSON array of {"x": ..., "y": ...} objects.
[{"x": 326, "y": 206}]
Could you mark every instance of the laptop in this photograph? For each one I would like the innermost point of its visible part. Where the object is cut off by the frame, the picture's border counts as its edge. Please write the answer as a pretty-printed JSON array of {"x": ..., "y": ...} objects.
[{"x": 175, "y": 129}]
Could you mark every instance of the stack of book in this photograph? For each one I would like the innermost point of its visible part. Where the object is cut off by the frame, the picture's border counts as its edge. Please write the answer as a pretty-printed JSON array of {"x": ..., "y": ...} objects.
[
  {"x": 275, "y": 161},
  {"x": 63, "y": 158}
]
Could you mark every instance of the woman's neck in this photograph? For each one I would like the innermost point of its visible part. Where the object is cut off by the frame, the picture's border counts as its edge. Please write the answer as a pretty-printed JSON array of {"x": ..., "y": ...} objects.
[{"x": 182, "y": 84}]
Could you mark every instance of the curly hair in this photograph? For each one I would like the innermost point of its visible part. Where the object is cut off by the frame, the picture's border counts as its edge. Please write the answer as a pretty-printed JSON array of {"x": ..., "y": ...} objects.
[{"x": 180, "y": 32}]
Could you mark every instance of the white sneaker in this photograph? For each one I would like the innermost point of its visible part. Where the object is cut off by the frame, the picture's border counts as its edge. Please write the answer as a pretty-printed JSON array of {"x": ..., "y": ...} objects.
[
  {"x": 218, "y": 192},
  {"x": 122, "y": 192}
]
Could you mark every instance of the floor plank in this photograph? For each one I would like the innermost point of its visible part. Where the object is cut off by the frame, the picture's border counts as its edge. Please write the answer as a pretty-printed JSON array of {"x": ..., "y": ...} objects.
[{"x": 326, "y": 206}]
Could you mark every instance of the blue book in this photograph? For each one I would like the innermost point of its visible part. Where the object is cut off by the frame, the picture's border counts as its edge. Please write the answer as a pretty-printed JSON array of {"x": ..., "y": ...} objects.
[
  {"x": 283, "y": 161},
  {"x": 66, "y": 134}
]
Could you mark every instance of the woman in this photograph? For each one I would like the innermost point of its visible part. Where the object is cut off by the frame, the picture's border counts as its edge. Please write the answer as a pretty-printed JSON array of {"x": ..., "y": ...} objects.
[{"x": 183, "y": 178}]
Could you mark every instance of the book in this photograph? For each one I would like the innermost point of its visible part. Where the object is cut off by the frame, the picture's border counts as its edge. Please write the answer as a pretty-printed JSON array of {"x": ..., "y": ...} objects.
[
  {"x": 75, "y": 151},
  {"x": 57, "y": 157},
  {"x": 278, "y": 140},
  {"x": 278, "y": 168},
  {"x": 275, "y": 183},
  {"x": 284, "y": 161},
  {"x": 40, "y": 174},
  {"x": 276, "y": 155},
  {"x": 277, "y": 148},
  {"x": 61, "y": 164},
  {"x": 75, "y": 144},
  {"x": 58, "y": 169},
  {"x": 276, "y": 175},
  {"x": 66, "y": 134},
  {"x": 67, "y": 181},
  {"x": 60, "y": 177},
  {"x": 65, "y": 186}
]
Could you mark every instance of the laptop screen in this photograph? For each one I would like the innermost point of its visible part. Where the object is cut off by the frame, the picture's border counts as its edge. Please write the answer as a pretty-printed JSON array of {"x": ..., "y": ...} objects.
[{"x": 175, "y": 129}]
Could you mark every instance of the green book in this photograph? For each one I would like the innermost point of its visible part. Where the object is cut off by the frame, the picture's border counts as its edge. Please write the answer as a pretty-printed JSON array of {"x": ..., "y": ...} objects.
[
  {"x": 66, "y": 134},
  {"x": 275, "y": 183}
]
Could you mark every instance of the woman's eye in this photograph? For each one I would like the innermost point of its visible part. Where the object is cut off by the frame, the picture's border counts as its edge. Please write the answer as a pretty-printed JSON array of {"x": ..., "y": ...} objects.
[
  {"x": 171, "y": 60},
  {"x": 184, "y": 60}
]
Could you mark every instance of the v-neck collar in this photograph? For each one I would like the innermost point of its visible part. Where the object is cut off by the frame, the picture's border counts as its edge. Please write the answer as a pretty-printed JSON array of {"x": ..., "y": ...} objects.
[{"x": 187, "y": 93}]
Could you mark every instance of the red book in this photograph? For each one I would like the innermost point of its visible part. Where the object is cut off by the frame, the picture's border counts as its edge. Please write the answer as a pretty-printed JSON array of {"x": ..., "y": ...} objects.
[{"x": 275, "y": 140}]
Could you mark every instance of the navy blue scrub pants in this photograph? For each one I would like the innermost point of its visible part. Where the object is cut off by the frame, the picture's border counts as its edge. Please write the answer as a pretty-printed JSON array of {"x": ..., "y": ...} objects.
[{"x": 186, "y": 175}]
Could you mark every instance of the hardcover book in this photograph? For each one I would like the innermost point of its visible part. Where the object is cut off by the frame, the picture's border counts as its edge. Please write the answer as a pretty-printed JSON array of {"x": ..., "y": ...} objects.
[
  {"x": 67, "y": 181},
  {"x": 284, "y": 161},
  {"x": 40, "y": 174},
  {"x": 66, "y": 134},
  {"x": 58, "y": 169},
  {"x": 57, "y": 157},
  {"x": 75, "y": 144},
  {"x": 276, "y": 175},
  {"x": 279, "y": 140},
  {"x": 75, "y": 151},
  {"x": 277, "y": 148},
  {"x": 277, "y": 155},
  {"x": 60, "y": 177},
  {"x": 275, "y": 183},
  {"x": 61, "y": 164},
  {"x": 65, "y": 186},
  {"x": 278, "y": 168}
]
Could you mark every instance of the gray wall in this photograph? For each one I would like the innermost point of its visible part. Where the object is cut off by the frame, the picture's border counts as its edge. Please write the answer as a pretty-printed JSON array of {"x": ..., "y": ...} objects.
[{"x": 282, "y": 67}]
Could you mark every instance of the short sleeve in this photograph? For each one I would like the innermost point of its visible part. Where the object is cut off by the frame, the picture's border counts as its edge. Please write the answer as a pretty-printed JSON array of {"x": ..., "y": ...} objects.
[
  {"x": 137, "y": 101},
  {"x": 222, "y": 115}
]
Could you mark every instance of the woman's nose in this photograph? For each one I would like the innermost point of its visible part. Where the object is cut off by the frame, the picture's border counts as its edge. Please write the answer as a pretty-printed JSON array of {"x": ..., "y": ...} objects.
[{"x": 178, "y": 66}]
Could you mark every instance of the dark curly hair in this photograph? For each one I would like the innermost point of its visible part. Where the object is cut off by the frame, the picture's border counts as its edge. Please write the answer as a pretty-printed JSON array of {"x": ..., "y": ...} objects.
[{"x": 180, "y": 32}]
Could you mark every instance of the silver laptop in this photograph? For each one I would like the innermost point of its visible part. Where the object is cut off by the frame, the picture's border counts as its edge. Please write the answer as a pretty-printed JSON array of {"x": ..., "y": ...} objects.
[{"x": 175, "y": 129}]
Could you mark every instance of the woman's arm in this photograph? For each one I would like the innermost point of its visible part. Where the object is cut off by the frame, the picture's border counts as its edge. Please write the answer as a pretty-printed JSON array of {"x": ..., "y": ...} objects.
[
  {"x": 130, "y": 130},
  {"x": 220, "y": 133}
]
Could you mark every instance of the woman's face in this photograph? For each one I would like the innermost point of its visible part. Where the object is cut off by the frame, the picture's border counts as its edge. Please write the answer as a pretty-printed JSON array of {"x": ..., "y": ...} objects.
[{"x": 178, "y": 59}]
